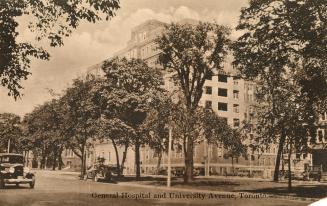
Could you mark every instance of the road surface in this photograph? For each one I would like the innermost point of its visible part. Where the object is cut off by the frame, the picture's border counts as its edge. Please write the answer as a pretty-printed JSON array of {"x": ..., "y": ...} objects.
[{"x": 55, "y": 190}]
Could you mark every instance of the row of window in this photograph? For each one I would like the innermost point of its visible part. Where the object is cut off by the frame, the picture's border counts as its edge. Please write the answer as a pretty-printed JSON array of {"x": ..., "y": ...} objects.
[
  {"x": 149, "y": 49},
  {"x": 222, "y": 106},
  {"x": 222, "y": 78},
  {"x": 222, "y": 92},
  {"x": 321, "y": 134},
  {"x": 69, "y": 153}
]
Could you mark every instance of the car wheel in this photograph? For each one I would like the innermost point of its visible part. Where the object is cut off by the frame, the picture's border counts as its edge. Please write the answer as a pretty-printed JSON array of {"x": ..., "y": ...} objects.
[
  {"x": 96, "y": 179},
  {"x": 108, "y": 176},
  {"x": 32, "y": 184}
]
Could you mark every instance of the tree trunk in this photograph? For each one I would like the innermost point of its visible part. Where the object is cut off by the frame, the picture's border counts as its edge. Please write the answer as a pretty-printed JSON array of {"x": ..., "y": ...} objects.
[
  {"x": 279, "y": 154},
  {"x": 46, "y": 163},
  {"x": 43, "y": 161},
  {"x": 60, "y": 163},
  {"x": 117, "y": 157},
  {"x": 26, "y": 158},
  {"x": 54, "y": 162},
  {"x": 124, "y": 159},
  {"x": 188, "y": 176},
  {"x": 159, "y": 161},
  {"x": 289, "y": 168},
  {"x": 82, "y": 161},
  {"x": 137, "y": 159},
  {"x": 232, "y": 164}
]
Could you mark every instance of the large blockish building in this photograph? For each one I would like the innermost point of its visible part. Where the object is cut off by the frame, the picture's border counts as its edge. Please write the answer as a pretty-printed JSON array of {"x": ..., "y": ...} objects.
[{"x": 230, "y": 97}]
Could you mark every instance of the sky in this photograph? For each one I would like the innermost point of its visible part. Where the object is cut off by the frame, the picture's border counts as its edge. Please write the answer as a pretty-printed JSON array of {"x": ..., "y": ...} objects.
[{"x": 93, "y": 43}]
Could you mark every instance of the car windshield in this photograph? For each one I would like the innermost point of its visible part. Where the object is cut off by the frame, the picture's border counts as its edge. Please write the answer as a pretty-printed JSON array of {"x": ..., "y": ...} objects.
[{"x": 11, "y": 159}]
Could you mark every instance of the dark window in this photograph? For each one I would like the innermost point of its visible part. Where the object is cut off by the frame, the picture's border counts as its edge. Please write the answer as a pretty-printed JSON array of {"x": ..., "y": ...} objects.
[
  {"x": 208, "y": 90},
  {"x": 235, "y": 94},
  {"x": 298, "y": 155},
  {"x": 222, "y": 92},
  {"x": 251, "y": 110},
  {"x": 252, "y": 157},
  {"x": 246, "y": 157},
  {"x": 222, "y": 106},
  {"x": 225, "y": 119},
  {"x": 209, "y": 76},
  {"x": 236, "y": 108},
  {"x": 11, "y": 159},
  {"x": 320, "y": 136},
  {"x": 222, "y": 78},
  {"x": 236, "y": 122},
  {"x": 208, "y": 105}
]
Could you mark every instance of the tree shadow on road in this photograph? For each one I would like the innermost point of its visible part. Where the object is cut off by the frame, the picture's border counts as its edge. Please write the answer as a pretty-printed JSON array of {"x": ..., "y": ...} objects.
[
  {"x": 20, "y": 187},
  {"x": 306, "y": 191}
]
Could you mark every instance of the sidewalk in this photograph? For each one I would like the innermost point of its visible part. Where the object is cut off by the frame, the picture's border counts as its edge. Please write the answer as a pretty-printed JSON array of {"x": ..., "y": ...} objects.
[{"x": 57, "y": 173}]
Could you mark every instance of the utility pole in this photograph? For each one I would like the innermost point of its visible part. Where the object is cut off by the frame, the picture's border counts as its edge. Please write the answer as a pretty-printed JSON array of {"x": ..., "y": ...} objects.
[
  {"x": 251, "y": 153},
  {"x": 206, "y": 158},
  {"x": 169, "y": 156}
]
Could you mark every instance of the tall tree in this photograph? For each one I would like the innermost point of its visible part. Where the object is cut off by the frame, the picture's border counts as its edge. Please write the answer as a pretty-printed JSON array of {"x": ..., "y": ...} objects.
[
  {"x": 155, "y": 126},
  {"x": 52, "y": 20},
  {"x": 130, "y": 90},
  {"x": 282, "y": 47},
  {"x": 191, "y": 53},
  {"x": 44, "y": 130},
  {"x": 81, "y": 117},
  {"x": 120, "y": 135},
  {"x": 10, "y": 132}
]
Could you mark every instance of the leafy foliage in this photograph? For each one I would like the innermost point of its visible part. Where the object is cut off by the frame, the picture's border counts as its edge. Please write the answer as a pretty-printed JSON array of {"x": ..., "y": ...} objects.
[
  {"x": 191, "y": 52},
  {"x": 44, "y": 130},
  {"x": 10, "y": 130},
  {"x": 51, "y": 20},
  {"x": 283, "y": 49},
  {"x": 129, "y": 91}
]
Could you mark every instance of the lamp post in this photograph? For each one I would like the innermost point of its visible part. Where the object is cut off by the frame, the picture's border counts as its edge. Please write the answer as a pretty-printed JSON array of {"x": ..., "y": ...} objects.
[
  {"x": 8, "y": 148},
  {"x": 169, "y": 157}
]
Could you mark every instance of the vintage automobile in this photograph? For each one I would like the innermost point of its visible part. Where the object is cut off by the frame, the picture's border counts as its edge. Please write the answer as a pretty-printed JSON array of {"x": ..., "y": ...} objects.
[
  {"x": 99, "y": 172},
  {"x": 244, "y": 173},
  {"x": 312, "y": 172},
  {"x": 12, "y": 170}
]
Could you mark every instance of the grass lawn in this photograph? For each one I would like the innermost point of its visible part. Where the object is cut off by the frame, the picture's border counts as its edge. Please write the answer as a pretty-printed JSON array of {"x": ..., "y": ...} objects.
[{"x": 300, "y": 189}]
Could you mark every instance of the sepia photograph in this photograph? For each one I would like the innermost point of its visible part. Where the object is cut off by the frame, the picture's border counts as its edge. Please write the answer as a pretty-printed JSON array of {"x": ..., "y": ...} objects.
[{"x": 171, "y": 102}]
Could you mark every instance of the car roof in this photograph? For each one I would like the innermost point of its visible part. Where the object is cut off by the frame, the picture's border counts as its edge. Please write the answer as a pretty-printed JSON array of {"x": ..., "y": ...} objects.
[{"x": 10, "y": 154}]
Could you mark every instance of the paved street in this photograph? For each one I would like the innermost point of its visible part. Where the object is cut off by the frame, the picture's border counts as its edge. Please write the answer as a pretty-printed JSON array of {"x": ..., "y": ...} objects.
[{"x": 52, "y": 190}]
